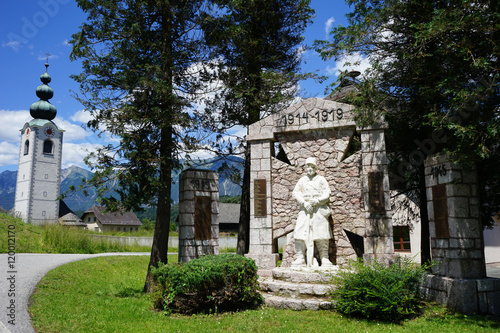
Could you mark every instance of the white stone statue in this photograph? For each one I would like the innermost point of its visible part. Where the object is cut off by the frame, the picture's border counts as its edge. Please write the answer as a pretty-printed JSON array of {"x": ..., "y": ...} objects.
[{"x": 312, "y": 193}]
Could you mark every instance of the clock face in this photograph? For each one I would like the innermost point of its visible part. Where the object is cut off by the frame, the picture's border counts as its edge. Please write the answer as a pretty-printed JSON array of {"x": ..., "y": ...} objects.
[{"x": 49, "y": 131}]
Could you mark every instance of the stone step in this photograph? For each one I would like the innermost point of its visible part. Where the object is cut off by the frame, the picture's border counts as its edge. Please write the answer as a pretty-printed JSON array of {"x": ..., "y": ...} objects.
[
  {"x": 303, "y": 276},
  {"x": 296, "y": 290},
  {"x": 281, "y": 302}
]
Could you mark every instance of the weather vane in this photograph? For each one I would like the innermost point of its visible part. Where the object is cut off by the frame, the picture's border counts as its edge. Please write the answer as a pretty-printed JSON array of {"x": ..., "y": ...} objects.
[{"x": 47, "y": 62}]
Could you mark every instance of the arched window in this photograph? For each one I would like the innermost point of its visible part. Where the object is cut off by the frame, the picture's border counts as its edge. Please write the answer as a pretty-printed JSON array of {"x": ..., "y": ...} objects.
[
  {"x": 26, "y": 147},
  {"x": 48, "y": 147}
]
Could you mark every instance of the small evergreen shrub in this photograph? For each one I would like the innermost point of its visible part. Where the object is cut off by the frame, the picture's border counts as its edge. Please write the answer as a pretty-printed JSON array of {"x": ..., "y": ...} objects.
[
  {"x": 210, "y": 284},
  {"x": 378, "y": 291}
]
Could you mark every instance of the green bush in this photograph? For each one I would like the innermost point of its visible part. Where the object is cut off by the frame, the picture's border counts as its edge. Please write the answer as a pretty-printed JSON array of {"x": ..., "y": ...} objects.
[
  {"x": 378, "y": 291},
  {"x": 210, "y": 284}
]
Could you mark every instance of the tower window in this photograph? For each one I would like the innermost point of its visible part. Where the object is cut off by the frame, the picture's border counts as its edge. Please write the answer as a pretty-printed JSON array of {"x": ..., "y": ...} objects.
[
  {"x": 26, "y": 147},
  {"x": 48, "y": 147}
]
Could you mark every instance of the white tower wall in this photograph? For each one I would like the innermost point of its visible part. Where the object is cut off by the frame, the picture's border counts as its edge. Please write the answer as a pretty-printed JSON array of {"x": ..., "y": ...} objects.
[{"x": 39, "y": 173}]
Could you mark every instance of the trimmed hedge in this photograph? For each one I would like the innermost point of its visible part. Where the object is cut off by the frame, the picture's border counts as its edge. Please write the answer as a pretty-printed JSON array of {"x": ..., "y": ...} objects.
[
  {"x": 379, "y": 291},
  {"x": 210, "y": 284}
]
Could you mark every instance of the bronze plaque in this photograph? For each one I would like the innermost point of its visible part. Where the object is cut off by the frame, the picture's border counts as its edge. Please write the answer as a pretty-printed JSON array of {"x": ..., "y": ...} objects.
[
  {"x": 376, "y": 196},
  {"x": 202, "y": 218},
  {"x": 440, "y": 206},
  {"x": 260, "y": 198}
]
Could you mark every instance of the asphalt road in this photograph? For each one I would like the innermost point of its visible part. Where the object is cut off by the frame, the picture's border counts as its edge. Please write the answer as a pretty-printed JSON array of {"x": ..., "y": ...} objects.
[{"x": 19, "y": 279}]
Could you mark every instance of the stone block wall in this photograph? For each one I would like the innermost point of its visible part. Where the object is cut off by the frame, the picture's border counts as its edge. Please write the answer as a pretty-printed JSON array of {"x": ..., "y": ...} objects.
[
  {"x": 198, "y": 214},
  {"x": 459, "y": 278},
  {"x": 378, "y": 241},
  {"x": 455, "y": 230}
]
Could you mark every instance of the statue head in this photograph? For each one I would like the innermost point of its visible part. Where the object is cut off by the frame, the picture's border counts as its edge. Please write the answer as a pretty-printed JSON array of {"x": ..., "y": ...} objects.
[{"x": 311, "y": 166}]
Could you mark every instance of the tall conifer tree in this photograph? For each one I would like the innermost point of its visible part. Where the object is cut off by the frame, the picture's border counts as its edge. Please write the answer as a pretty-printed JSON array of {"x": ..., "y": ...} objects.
[
  {"x": 137, "y": 83},
  {"x": 257, "y": 44}
]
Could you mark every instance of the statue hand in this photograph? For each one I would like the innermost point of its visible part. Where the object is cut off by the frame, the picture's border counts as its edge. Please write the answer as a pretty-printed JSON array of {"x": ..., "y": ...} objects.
[{"x": 308, "y": 207}]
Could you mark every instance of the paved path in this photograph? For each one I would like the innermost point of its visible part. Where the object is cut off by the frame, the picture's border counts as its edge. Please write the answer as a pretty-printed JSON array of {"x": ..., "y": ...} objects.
[{"x": 18, "y": 282}]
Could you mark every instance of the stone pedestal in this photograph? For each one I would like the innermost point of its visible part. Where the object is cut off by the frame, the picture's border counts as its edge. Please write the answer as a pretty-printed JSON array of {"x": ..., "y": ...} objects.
[
  {"x": 198, "y": 214},
  {"x": 459, "y": 276},
  {"x": 454, "y": 226}
]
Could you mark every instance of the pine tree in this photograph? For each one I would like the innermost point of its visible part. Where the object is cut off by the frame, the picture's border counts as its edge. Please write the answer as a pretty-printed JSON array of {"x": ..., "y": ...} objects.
[
  {"x": 137, "y": 81},
  {"x": 257, "y": 44}
]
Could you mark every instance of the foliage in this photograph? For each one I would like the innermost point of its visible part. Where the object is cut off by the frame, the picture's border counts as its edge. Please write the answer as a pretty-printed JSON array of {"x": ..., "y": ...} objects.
[
  {"x": 435, "y": 73},
  {"x": 229, "y": 199},
  {"x": 210, "y": 284},
  {"x": 55, "y": 238},
  {"x": 66, "y": 300},
  {"x": 257, "y": 47},
  {"x": 380, "y": 292}
]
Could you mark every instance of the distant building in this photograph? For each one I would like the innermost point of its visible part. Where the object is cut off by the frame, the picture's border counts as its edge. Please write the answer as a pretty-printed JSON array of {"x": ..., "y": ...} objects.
[
  {"x": 229, "y": 216},
  {"x": 97, "y": 220},
  {"x": 68, "y": 218}
]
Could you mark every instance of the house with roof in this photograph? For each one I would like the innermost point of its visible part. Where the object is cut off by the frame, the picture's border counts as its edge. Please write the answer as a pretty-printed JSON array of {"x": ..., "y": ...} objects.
[
  {"x": 98, "y": 220},
  {"x": 68, "y": 218},
  {"x": 229, "y": 216}
]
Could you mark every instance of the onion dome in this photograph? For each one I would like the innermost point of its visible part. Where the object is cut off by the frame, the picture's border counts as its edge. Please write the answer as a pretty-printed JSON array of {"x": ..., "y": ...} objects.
[{"x": 43, "y": 109}]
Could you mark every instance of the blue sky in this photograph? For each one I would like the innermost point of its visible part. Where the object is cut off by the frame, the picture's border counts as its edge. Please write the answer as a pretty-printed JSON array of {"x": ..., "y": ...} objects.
[{"x": 32, "y": 28}]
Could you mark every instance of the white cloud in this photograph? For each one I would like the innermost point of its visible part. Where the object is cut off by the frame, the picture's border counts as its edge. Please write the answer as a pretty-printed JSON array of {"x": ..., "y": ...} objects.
[
  {"x": 13, "y": 44},
  {"x": 74, "y": 153},
  {"x": 328, "y": 26},
  {"x": 81, "y": 116},
  {"x": 73, "y": 131},
  {"x": 350, "y": 63},
  {"x": 12, "y": 122},
  {"x": 9, "y": 153}
]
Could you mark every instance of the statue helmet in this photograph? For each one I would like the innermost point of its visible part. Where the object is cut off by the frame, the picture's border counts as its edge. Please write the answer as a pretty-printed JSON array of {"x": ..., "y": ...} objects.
[{"x": 312, "y": 161}]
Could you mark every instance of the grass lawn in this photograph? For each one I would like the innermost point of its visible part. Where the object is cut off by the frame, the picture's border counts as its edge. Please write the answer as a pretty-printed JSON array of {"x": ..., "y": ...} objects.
[{"x": 108, "y": 297}]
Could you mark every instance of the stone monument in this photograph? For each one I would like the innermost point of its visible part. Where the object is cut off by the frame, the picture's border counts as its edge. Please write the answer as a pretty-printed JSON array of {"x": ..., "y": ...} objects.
[
  {"x": 352, "y": 160},
  {"x": 198, "y": 214}
]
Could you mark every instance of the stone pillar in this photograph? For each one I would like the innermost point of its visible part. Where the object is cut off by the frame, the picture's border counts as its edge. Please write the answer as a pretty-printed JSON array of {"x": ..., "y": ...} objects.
[
  {"x": 454, "y": 226},
  {"x": 378, "y": 242},
  {"x": 459, "y": 279},
  {"x": 198, "y": 214},
  {"x": 261, "y": 223}
]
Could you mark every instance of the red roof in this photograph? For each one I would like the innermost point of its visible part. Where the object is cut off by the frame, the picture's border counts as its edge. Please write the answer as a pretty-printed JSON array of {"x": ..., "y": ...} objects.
[{"x": 113, "y": 218}]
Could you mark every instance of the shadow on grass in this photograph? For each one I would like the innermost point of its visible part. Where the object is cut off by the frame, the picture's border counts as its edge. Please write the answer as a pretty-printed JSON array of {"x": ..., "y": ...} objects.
[{"x": 130, "y": 293}]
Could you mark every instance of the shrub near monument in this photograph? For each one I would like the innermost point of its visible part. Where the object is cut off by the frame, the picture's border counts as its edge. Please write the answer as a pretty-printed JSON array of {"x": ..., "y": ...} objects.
[{"x": 209, "y": 284}]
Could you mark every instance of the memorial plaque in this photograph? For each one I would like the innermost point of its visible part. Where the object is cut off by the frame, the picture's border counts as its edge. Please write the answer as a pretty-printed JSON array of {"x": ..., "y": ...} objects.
[
  {"x": 376, "y": 197},
  {"x": 439, "y": 203},
  {"x": 202, "y": 218},
  {"x": 260, "y": 198}
]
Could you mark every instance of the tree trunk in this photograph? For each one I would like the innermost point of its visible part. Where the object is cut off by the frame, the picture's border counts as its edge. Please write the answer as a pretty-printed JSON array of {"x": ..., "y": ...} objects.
[
  {"x": 425, "y": 246},
  {"x": 159, "y": 250},
  {"x": 244, "y": 221}
]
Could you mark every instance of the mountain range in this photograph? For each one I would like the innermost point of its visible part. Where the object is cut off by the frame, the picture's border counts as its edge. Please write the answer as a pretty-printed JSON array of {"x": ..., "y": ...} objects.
[{"x": 77, "y": 201}]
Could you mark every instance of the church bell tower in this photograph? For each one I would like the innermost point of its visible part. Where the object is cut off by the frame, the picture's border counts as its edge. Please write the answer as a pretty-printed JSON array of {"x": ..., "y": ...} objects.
[{"x": 39, "y": 171}]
